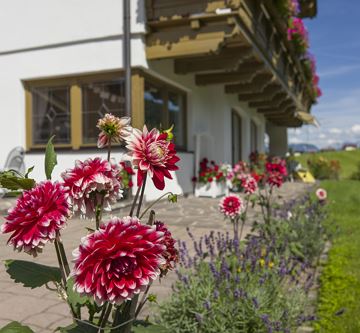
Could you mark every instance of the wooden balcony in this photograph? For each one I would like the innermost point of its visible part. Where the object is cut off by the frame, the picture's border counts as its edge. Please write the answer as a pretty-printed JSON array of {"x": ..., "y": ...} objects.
[{"x": 241, "y": 44}]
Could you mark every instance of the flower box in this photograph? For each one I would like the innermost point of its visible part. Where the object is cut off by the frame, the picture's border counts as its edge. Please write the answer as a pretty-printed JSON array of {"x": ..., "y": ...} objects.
[{"x": 212, "y": 189}]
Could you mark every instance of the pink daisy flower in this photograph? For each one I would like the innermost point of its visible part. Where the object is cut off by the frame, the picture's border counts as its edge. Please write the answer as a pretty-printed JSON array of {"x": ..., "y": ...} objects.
[
  {"x": 92, "y": 182},
  {"x": 171, "y": 254},
  {"x": 231, "y": 206},
  {"x": 37, "y": 217},
  {"x": 152, "y": 153},
  {"x": 321, "y": 194},
  {"x": 118, "y": 261},
  {"x": 113, "y": 129}
]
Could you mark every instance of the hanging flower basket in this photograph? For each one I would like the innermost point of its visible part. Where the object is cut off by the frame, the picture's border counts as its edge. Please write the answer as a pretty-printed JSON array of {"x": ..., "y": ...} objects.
[{"x": 212, "y": 189}]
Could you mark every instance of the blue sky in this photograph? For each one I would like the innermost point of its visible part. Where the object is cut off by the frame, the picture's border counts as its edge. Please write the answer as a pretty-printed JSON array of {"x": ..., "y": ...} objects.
[{"x": 335, "y": 41}]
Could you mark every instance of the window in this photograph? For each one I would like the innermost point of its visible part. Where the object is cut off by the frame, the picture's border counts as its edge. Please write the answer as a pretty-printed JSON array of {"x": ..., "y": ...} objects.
[
  {"x": 166, "y": 106},
  {"x": 70, "y": 107},
  {"x": 99, "y": 99},
  {"x": 51, "y": 115},
  {"x": 253, "y": 136}
]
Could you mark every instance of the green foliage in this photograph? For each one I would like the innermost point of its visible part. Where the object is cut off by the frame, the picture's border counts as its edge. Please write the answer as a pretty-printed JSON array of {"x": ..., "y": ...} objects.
[
  {"x": 203, "y": 306},
  {"x": 13, "y": 181},
  {"x": 338, "y": 305},
  {"x": 16, "y": 327},
  {"x": 323, "y": 168},
  {"x": 298, "y": 230},
  {"x": 80, "y": 327},
  {"x": 145, "y": 327},
  {"x": 356, "y": 174},
  {"x": 349, "y": 160},
  {"x": 50, "y": 158},
  {"x": 30, "y": 274}
]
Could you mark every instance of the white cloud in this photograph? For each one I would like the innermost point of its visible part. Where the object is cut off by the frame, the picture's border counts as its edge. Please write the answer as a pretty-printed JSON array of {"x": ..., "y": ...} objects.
[
  {"x": 322, "y": 136},
  {"x": 356, "y": 129},
  {"x": 335, "y": 130}
]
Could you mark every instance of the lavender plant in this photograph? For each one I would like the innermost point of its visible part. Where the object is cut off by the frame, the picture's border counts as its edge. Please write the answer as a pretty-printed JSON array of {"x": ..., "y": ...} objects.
[{"x": 223, "y": 287}]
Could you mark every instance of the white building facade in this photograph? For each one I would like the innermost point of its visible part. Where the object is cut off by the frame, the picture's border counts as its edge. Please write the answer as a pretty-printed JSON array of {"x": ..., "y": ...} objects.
[{"x": 61, "y": 68}]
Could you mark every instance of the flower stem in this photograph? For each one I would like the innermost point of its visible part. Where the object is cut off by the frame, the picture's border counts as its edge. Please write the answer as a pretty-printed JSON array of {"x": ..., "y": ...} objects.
[
  {"x": 109, "y": 150},
  {"x": 154, "y": 203},
  {"x": 135, "y": 201},
  {"x": 141, "y": 196}
]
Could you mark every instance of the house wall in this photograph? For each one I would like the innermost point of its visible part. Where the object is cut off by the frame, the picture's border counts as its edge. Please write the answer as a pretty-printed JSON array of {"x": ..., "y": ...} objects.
[
  {"x": 209, "y": 115},
  {"x": 46, "y": 39}
]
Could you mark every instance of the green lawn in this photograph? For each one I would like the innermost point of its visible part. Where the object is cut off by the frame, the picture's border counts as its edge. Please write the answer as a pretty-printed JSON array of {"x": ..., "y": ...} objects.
[
  {"x": 348, "y": 159},
  {"x": 339, "y": 299}
]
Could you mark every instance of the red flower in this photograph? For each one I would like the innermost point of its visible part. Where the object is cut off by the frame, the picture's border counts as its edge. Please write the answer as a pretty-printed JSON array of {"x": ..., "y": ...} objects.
[
  {"x": 171, "y": 254},
  {"x": 152, "y": 153},
  {"x": 276, "y": 171},
  {"x": 249, "y": 184},
  {"x": 210, "y": 179},
  {"x": 37, "y": 217},
  {"x": 231, "y": 206},
  {"x": 118, "y": 261},
  {"x": 194, "y": 179},
  {"x": 92, "y": 182}
]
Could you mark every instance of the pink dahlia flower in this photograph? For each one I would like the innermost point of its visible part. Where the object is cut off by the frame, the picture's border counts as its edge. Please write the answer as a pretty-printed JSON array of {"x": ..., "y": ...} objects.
[
  {"x": 231, "y": 206},
  {"x": 37, "y": 217},
  {"x": 276, "y": 172},
  {"x": 152, "y": 153},
  {"x": 321, "y": 194},
  {"x": 249, "y": 184},
  {"x": 118, "y": 261},
  {"x": 92, "y": 182},
  {"x": 113, "y": 129},
  {"x": 170, "y": 254}
]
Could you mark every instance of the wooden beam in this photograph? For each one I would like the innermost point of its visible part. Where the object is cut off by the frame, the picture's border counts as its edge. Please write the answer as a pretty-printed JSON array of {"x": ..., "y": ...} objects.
[
  {"x": 274, "y": 102},
  {"x": 226, "y": 60},
  {"x": 281, "y": 108},
  {"x": 257, "y": 85},
  {"x": 220, "y": 78},
  {"x": 246, "y": 73}
]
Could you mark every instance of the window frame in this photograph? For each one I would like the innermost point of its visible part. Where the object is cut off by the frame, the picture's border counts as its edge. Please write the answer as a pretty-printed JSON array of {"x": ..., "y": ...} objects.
[{"x": 75, "y": 82}]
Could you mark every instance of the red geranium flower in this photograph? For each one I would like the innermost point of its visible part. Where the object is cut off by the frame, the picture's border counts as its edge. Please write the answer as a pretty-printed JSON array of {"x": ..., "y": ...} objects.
[
  {"x": 119, "y": 260},
  {"x": 152, "y": 153},
  {"x": 92, "y": 182},
  {"x": 37, "y": 217},
  {"x": 171, "y": 254}
]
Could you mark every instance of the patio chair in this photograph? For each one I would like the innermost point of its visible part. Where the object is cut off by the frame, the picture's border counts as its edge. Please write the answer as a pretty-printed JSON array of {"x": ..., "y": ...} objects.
[{"x": 14, "y": 161}]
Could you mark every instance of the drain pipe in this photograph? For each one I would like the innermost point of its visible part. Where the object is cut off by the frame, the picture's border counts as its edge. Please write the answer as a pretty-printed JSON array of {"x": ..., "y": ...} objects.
[{"x": 127, "y": 55}]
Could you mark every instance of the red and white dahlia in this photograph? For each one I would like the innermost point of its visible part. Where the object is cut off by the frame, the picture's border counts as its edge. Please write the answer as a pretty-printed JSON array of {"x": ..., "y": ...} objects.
[
  {"x": 92, "y": 182},
  {"x": 231, "y": 206},
  {"x": 113, "y": 129},
  {"x": 248, "y": 183},
  {"x": 321, "y": 194},
  {"x": 171, "y": 254},
  {"x": 152, "y": 153},
  {"x": 118, "y": 261},
  {"x": 37, "y": 217}
]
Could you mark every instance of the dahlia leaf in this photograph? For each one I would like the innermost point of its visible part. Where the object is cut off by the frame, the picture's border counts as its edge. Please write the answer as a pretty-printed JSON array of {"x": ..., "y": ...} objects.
[
  {"x": 146, "y": 327},
  {"x": 80, "y": 327},
  {"x": 30, "y": 274},
  {"x": 74, "y": 298},
  {"x": 12, "y": 182},
  {"x": 50, "y": 158},
  {"x": 16, "y": 327}
]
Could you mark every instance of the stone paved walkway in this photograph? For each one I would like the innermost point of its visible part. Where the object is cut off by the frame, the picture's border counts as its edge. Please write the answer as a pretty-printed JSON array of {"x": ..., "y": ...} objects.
[{"x": 44, "y": 312}]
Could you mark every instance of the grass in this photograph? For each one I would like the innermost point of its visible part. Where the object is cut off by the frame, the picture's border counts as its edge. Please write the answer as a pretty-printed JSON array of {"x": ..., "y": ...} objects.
[
  {"x": 339, "y": 297},
  {"x": 348, "y": 160}
]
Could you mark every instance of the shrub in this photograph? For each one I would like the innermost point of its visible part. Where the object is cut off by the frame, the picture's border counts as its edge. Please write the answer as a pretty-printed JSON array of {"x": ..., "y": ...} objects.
[
  {"x": 356, "y": 174},
  {"x": 227, "y": 288},
  {"x": 323, "y": 168},
  {"x": 297, "y": 229}
]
